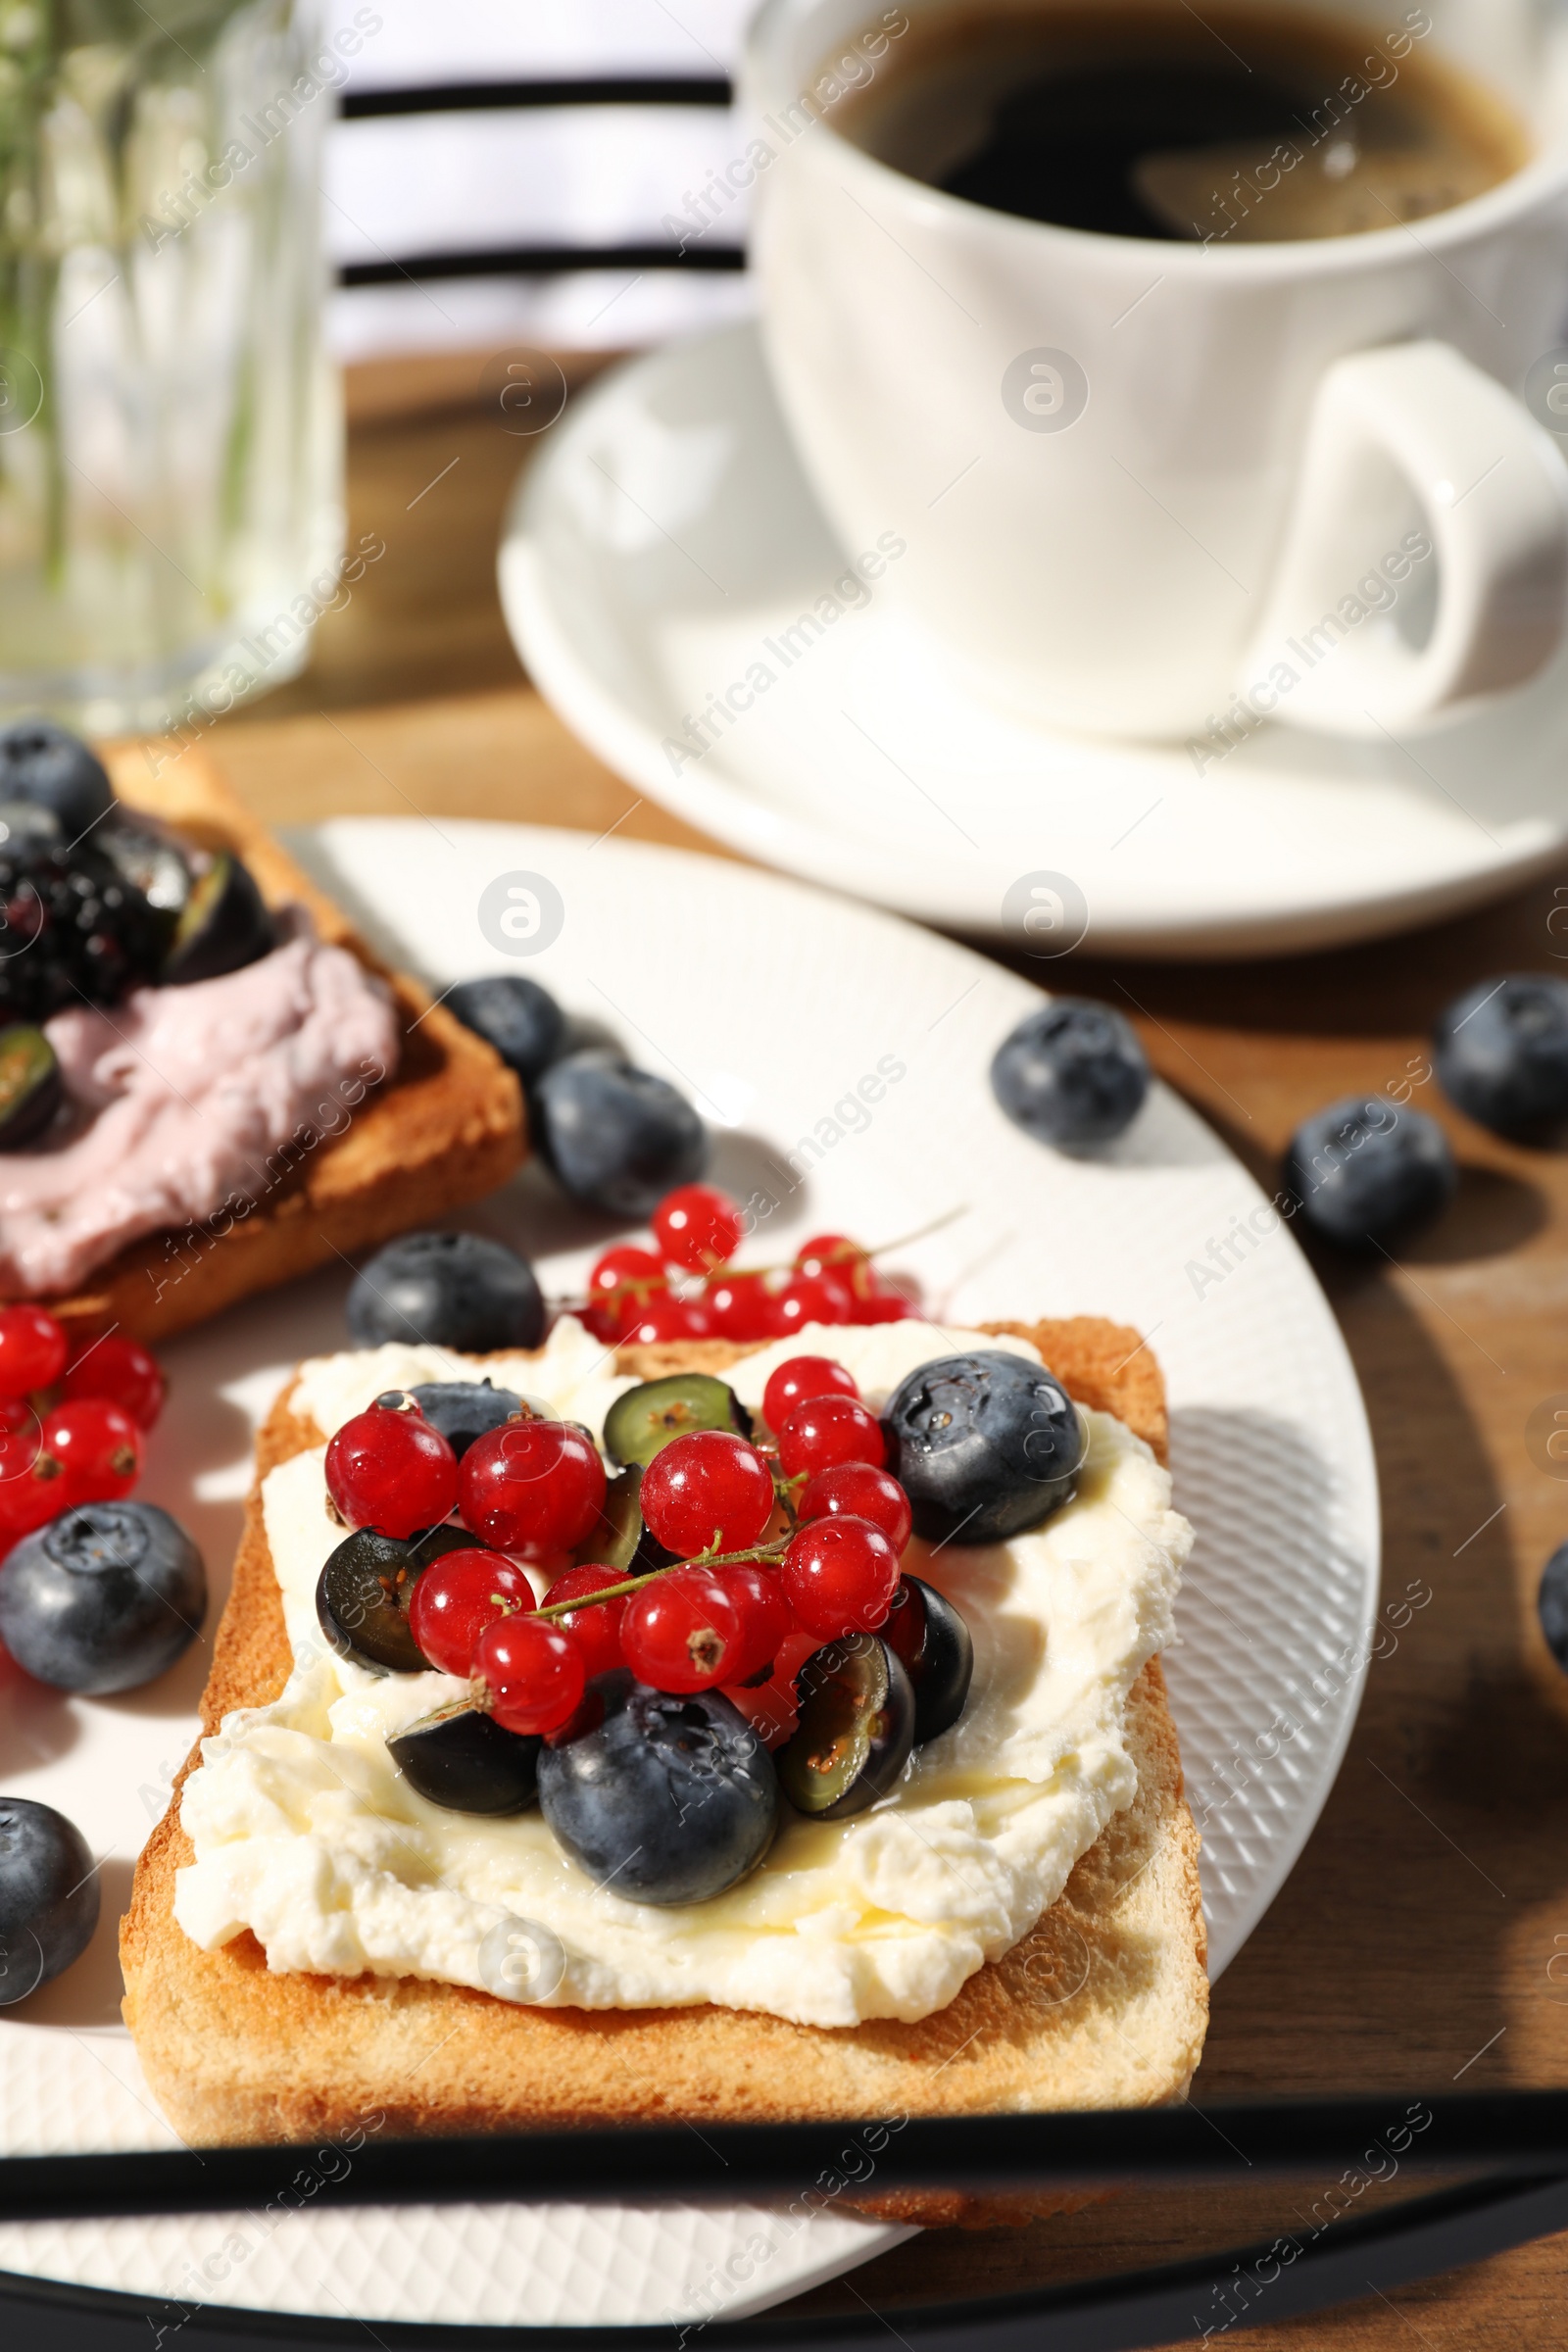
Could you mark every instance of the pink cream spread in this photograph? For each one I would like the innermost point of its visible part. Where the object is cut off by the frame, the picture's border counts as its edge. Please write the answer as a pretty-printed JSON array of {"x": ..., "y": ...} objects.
[{"x": 192, "y": 1104}]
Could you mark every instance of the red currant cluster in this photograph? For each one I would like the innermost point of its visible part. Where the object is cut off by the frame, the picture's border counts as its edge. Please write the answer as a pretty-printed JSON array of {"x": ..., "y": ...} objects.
[
  {"x": 773, "y": 1549},
  {"x": 71, "y": 1430},
  {"x": 641, "y": 1295}
]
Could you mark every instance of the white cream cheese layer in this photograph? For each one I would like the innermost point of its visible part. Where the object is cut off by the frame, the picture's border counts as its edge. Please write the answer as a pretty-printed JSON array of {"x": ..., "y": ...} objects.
[{"x": 306, "y": 1834}]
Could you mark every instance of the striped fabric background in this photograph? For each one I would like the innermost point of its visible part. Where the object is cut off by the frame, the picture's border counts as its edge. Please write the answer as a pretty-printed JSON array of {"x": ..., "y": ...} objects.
[{"x": 510, "y": 169}]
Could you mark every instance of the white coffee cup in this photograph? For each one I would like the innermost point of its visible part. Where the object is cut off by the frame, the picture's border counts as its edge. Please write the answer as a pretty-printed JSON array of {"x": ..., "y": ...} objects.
[{"x": 1141, "y": 481}]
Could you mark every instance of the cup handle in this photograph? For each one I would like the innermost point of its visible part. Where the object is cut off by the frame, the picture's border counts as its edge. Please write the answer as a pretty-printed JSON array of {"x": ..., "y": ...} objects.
[{"x": 1494, "y": 493}]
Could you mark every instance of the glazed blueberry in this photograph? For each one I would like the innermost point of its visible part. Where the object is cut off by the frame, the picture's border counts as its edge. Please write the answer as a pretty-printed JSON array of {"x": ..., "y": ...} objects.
[
  {"x": 223, "y": 925},
  {"x": 1072, "y": 1072},
  {"x": 1552, "y": 1603},
  {"x": 102, "y": 1599},
  {"x": 931, "y": 1640},
  {"x": 462, "y": 1760},
  {"x": 986, "y": 1445},
  {"x": 664, "y": 1799},
  {"x": 362, "y": 1602},
  {"x": 55, "y": 770},
  {"x": 1366, "y": 1169},
  {"x": 1502, "y": 1053},
  {"x": 450, "y": 1290},
  {"x": 644, "y": 1420},
  {"x": 48, "y": 1896},
  {"x": 464, "y": 1410},
  {"x": 856, "y": 1729},
  {"x": 31, "y": 1088},
  {"x": 521, "y": 1019},
  {"x": 616, "y": 1137}
]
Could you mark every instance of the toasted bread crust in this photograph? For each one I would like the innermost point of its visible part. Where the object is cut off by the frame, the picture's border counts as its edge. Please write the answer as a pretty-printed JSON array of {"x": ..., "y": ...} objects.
[
  {"x": 447, "y": 1129},
  {"x": 1103, "y": 2003}
]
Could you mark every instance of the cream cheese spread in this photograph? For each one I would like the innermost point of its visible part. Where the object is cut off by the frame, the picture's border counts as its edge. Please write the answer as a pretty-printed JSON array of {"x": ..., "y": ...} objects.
[
  {"x": 306, "y": 1834},
  {"x": 185, "y": 1098}
]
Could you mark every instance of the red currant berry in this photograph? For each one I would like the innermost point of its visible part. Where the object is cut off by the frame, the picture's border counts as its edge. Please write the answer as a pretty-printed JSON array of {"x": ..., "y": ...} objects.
[
  {"x": 533, "y": 1673},
  {"x": 124, "y": 1371},
  {"x": 835, "y": 1254},
  {"x": 812, "y": 1299},
  {"x": 18, "y": 1416},
  {"x": 391, "y": 1471},
  {"x": 620, "y": 1286},
  {"x": 31, "y": 1484},
  {"x": 840, "y": 1577},
  {"x": 98, "y": 1447},
  {"x": 764, "y": 1613},
  {"x": 457, "y": 1597},
  {"x": 855, "y": 1490},
  {"x": 883, "y": 1307},
  {"x": 826, "y": 1430},
  {"x": 698, "y": 1227},
  {"x": 799, "y": 1381},
  {"x": 596, "y": 1631},
  {"x": 33, "y": 1350},
  {"x": 710, "y": 1489},
  {"x": 682, "y": 1632},
  {"x": 665, "y": 1319},
  {"x": 533, "y": 1487},
  {"x": 740, "y": 1306}
]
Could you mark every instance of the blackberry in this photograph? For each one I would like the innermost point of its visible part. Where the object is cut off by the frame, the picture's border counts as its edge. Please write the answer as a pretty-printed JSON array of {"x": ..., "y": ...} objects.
[{"x": 73, "y": 930}]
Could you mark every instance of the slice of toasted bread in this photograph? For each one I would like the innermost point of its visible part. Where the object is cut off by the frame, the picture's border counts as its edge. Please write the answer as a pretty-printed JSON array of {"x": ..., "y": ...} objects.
[
  {"x": 1103, "y": 2002},
  {"x": 446, "y": 1129}
]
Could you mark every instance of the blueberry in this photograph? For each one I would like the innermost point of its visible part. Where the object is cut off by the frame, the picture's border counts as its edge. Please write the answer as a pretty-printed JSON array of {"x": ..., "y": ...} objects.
[
  {"x": 48, "y": 1896},
  {"x": 464, "y": 1410},
  {"x": 1072, "y": 1072},
  {"x": 104, "y": 1599},
  {"x": 42, "y": 763},
  {"x": 663, "y": 1799},
  {"x": 23, "y": 823},
  {"x": 1502, "y": 1053},
  {"x": 1552, "y": 1603},
  {"x": 615, "y": 1136},
  {"x": 450, "y": 1290},
  {"x": 988, "y": 1445},
  {"x": 1366, "y": 1169},
  {"x": 521, "y": 1019}
]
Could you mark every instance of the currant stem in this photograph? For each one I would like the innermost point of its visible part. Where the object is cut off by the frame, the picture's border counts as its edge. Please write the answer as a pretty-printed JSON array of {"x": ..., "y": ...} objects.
[
  {"x": 634, "y": 1584},
  {"x": 644, "y": 1284}
]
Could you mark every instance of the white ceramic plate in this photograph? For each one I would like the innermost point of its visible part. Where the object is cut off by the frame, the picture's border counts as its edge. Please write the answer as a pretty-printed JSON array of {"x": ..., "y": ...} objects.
[
  {"x": 664, "y": 541},
  {"x": 767, "y": 1002}
]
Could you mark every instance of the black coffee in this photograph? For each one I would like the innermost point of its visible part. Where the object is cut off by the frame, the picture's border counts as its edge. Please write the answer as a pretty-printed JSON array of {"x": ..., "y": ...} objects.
[{"x": 1141, "y": 118}]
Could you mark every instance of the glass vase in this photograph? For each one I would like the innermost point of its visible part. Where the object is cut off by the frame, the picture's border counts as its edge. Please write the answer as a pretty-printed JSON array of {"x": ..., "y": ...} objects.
[{"x": 171, "y": 514}]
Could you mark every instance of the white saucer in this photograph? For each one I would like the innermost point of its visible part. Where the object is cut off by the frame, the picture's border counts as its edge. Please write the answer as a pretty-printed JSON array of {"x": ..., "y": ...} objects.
[
  {"x": 766, "y": 1003},
  {"x": 664, "y": 532}
]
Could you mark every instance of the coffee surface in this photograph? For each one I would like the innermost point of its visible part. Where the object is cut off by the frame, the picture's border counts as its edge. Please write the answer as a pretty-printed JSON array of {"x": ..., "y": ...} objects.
[{"x": 1140, "y": 119}]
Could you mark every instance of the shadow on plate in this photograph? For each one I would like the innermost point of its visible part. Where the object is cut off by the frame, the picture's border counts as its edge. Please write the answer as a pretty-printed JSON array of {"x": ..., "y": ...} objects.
[
  {"x": 37, "y": 1726},
  {"x": 89, "y": 1993}
]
